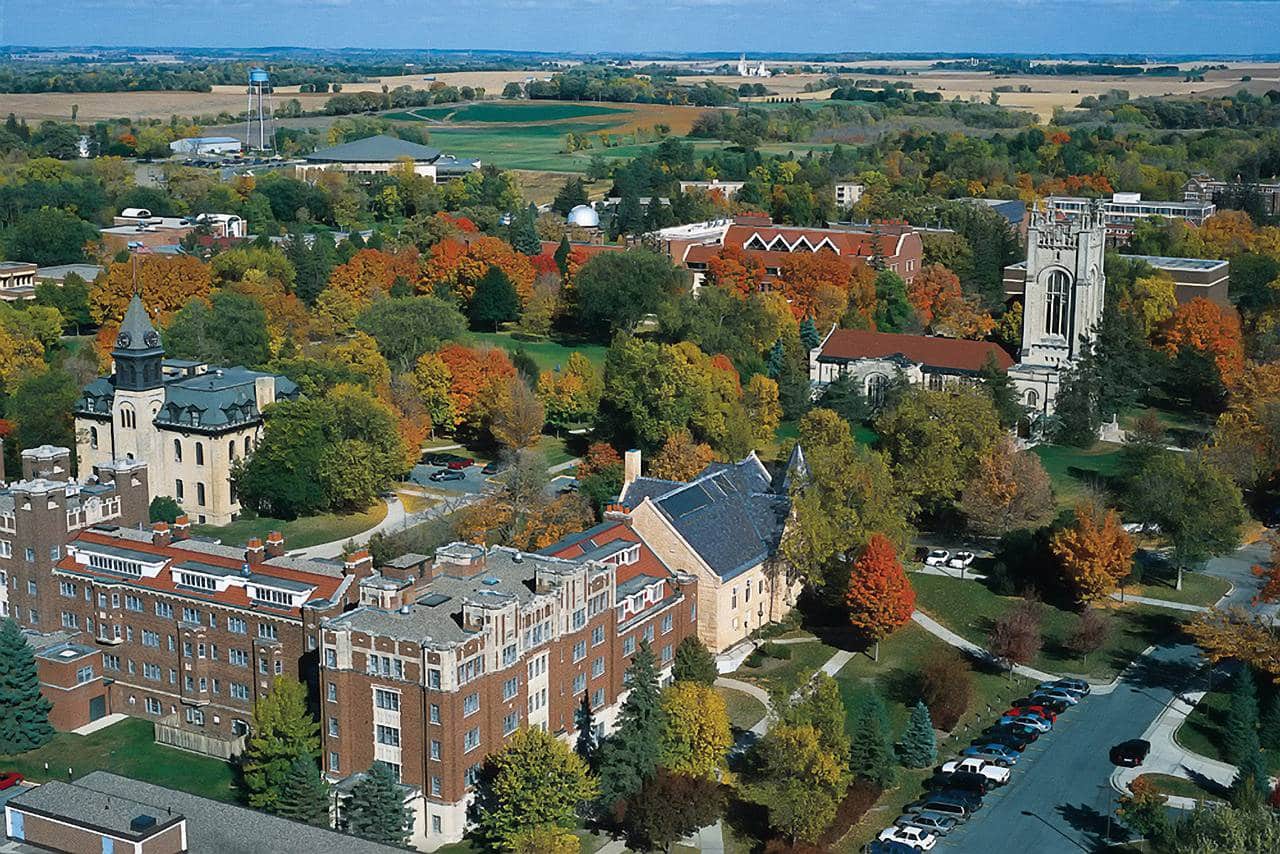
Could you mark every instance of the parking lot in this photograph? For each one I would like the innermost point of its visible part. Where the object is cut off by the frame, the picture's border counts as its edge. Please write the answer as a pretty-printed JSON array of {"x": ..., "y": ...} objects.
[{"x": 473, "y": 480}]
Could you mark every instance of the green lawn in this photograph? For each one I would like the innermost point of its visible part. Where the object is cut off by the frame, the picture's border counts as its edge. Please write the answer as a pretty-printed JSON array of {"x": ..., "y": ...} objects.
[
  {"x": 1197, "y": 588},
  {"x": 745, "y": 711},
  {"x": 1073, "y": 471},
  {"x": 541, "y": 147},
  {"x": 773, "y": 673},
  {"x": 127, "y": 748},
  {"x": 970, "y": 609},
  {"x": 507, "y": 112},
  {"x": 554, "y": 450},
  {"x": 1167, "y": 784},
  {"x": 1204, "y": 729},
  {"x": 546, "y": 354},
  {"x": 298, "y": 533}
]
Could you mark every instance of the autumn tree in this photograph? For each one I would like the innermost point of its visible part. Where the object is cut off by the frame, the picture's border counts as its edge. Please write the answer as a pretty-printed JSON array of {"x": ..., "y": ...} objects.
[
  {"x": 879, "y": 597},
  {"x": 477, "y": 378},
  {"x": 370, "y": 273},
  {"x": 1009, "y": 490},
  {"x": 1015, "y": 638},
  {"x": 669, "y": 807},
  {"x": 1235, "y": 634},
  {"x": 166, "y": 283},
  {"x": 803, "y": 274},
  {"x": 433, "y": 381},
  {"x": 695, "y": 730},
  {"x": 1246, "y": 438},
  {"x": 946, "y": 686},
  {"x": 680, "y": 458},
  {"x": 797, "y": 780},
  {"x": 1151, "y": 300},
  {"x": 572, "y": 395},
  {"x": 1095, "y": 552},
  {"x": 737, "y": 272},
  {"x": 456, "y": 267},
  {"x": 942, "y": 306},
  {"x": 1206, "y": 328},
  {"x": 518, "y": 417},
  {"x": 760, "y": 397},
  {"x": 1090, "y": 633}
]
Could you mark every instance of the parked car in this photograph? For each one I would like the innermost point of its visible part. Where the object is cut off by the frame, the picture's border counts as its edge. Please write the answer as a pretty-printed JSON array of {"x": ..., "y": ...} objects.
[
  {"x": 997, "y": 774},
  {"x": 1032, "y": 721},
  {"x": 1012, "y": 740},
  {"x": 961, "y": 560},
  {"x": 993, "y": 752},
  {"x": 1131, "y": 753},
  {"x": 1072, "y": 686},
  {"x": 917, "y": 837},
  {"x": 437, "y": 458},
  {"x": 888, "y": 847},
  {"x": 1030, "y": 733},
  {"x": 446, "y": 474},
  {"x": 9, "y": 779},
  {"x": 1058, "y": 706},
  {"x": 968, "y": 797},
  {"x": 939, "y": 803},
  {"x": 937, "y": 557},
  {"x": 460, "y": 463},
  {"x": 968, "y": 781},
  {"x": 493, "y": 467},
  {"x": 1056, "y": 694},
  {"x": 1035, "y": 711},
  {"x": 930, "y": 821}
]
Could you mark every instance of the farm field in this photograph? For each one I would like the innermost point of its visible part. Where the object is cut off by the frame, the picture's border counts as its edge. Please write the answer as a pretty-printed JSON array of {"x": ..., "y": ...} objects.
[
  {"x": 537, "y": 147},
  {"x": 506, "y": 112}
]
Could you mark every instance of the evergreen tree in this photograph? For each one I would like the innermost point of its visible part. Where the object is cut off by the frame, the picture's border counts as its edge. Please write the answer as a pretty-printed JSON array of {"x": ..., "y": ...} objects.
[
  {"x": 1076, "y": 409},
  {"x": 495, "y": 301},
  {"x": 629, "y": 218},
  {"x": 694, "y": 662},
  {"x": 569, "y": 196},
  {"x": 24, "y": 712},
  {"x": 304, "y": 796},
  {"x": 809, "y": 334},
  {"x": 562, "y": 255},
  {"x": 793, "y": 382},
  {"x": 524, "y": 231},
  {"x": 1251, "y": 782},
  {"x": 1241, "y": 736},
  {"x": 628, "y": 757},
  {"x": 872, "y": 756},
  {"x": 775, "y": 361},
  {"x": 584, "y": 721},
  {"x": 919, "y": 743},
  {"x": 376, "y": 808},
  {"x": 893, "y": 311},
  {"x": 1269, "y": 733},
  {"x": 283, "y": 730}
]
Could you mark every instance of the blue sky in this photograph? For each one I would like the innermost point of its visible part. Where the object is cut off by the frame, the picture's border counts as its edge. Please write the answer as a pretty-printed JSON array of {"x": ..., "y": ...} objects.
[{"x": 1095, "y": 26}]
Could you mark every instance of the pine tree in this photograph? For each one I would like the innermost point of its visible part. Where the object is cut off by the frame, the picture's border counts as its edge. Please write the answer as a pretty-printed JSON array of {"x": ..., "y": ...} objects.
[
  {"x": 775, "y": 361},
  {"x": 1241, "y": 738},
  {"x": 305, "y": 795},
  {"x": 628, "y": 757},
  {"x": 872, "y": 756},
  {"x": 24, "y": 712},
  {"x": 694, "y": 662},
  {"x": 376, "y": 809},
  {"x": 524, "y": 231},
  {"x": 584, "y": 721},
  {"x": 495, "y": 301},
  {"x": 809, "y": 334},
  {"x": 283, "y": 730},
  {"x": 1251, "y": 782},
  {"x": 1269, "y": 732},
  {"x": 919, "y": 742},
  {"x": 562, "y": 255}
]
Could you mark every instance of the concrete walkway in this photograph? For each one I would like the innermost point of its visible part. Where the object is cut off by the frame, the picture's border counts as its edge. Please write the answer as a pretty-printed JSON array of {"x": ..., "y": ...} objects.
[
  {"x": 948, "y": 572},
  {"x": 100, "y": 723},
  {"x": 395, "y": 518},
  {"x": 1159, "y": 603},
  {"x": 938, "y": 630},
  {"x": 762, "y": 726}
]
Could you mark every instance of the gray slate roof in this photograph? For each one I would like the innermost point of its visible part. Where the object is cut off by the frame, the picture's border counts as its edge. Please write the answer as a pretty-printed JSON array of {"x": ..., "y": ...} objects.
[
  {"x": 111, "y": 801},
  {"x": 730, "y": 514},
  {"x": 374, "y": 149},
  {"x": 142, "y": 335},
  {"x": 221, "y": 397}
]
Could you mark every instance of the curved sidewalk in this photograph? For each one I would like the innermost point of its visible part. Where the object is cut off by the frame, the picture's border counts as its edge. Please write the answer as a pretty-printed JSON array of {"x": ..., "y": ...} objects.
[
  {"x": 395, "y": 517},
  {"x": 933, "y": 627}
]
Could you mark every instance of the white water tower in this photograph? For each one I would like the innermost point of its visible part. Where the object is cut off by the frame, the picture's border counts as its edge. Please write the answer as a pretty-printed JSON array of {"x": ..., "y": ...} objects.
[{"x": 259, "y": 131}]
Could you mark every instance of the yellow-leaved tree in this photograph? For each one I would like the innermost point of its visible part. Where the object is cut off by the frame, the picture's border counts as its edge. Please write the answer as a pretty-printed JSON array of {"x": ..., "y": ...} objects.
[
  {"x": 1095, "y": 552},
  {"x": 695, "y": 731}
]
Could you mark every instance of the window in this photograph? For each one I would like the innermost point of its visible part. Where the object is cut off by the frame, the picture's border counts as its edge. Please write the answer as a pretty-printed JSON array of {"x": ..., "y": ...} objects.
[
  {"x": 186, "y": 649},
  {"x": 579, "y": 683},
  {"x": 597, "y": 698},
  {"x": 279, "y": 666},
  {"x": 470, "y": 669},
  {"x": 153, "y": 706},
  {"x": 84, "y": 674},
  {"x": 387, "y": 735},
  {"x": 110, "y": 662},
  {"x": 66, "y": 588},
  {"x": 31, "y": 588},
  {"x": 509, "y": 655},
  {"x": 510, "y": 723},
  {"x": 55, "y": 552},
  {"x": 435, "y": 750},
  {"x": 177, "y": 450},
  {"x": 164, "y": 609},
  {"x": 433, "y": 678},
  {"x": 510, "y": 688},
  {"x": 579, "y": 651},
  {"x": 384, "y": 699},
  {"x": 239, "y": 692},
  {"x": 1057, "y": 303},
  {"x": 177, "y": 490},
  {"x": 231, "y": 449},
  {"x": 333, "y": 727},
  {"x": 267, "y": 631},
  {"x": 128, "y": 418},
  {"x": 237, "y": 625},
  {"x": 471, "y": 740},
  {"x": 200, "y": 494},
  {"x": 597, "y": 636},
  {"x": 93, "y": 437},
  {"x": 877, "y": 388},
  {"x": 190, "y": 615},
  {"x": 331, "y": 692},
  {"x": 733, "y": 599},
  {"x": 666, "y": 653},
  {"x": 597, "y": 667},
  {"x": 579, "y": 618},
  {"x": 70, "y": 620},
  {"x": 1033, "y": 399},
  {"x": 264, "y": 665},
  {"x": 188, "y": 684},
  {"x": 151, "y": 671},
  {"x": 29, "y": 554},
  {"x": 238, "y": 657},
  {"x": 629, "y": 646},
  {"x": 330, "y": 657},
  {"x": 200, "y": 455},
  {"x": 667, "y": 621},
  {"x": 246, "y": 446},
  {"x": 435, "y": 793},
  {"x": 333, "y": 761},
  {"x": 648, "y": 633},
  {"x": 434, "y": 714},
  {"x": 150, "y": 638},
  {"x": 132, "y": 603},
  {"x": 470, "y": 704}
]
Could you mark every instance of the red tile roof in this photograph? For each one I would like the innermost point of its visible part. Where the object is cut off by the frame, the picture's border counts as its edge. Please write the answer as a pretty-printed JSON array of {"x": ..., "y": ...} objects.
[
  {"x": 850, "y": 243},
  {"x": 949, "y": 353}
]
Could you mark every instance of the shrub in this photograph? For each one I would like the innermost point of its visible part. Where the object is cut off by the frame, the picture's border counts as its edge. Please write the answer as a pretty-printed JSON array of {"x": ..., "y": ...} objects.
[
  {"x": 755, "y": 659},
  {"x": 779, "y": 651},
  {"x": 946, "y": 686}
]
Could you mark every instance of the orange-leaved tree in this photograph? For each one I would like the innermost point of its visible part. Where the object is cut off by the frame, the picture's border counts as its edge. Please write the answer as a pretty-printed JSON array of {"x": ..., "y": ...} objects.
[
  {"x": 166, "y": 282},
  {"x": 943, "y": 307},
  {"x": 880, "y": 597},
  {"x": 459, "y": 266},
  {"x": 1207, "y": 328},
  {"x": 1095, "y": 552},
  {"x": 680, "y": 458},
  {"x": 371, "y": 272},
  {"x": 803, "y": 273},
  {"x": 477, "y": 380},
  {"x": 738, "y": 272}
]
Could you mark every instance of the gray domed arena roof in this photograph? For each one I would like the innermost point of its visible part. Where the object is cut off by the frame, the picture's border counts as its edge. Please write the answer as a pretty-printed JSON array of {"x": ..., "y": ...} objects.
[{"x": 584, "y": 216}]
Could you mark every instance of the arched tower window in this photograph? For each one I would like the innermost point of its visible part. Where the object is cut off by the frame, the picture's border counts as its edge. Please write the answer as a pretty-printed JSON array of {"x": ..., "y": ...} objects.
[
  {"x": 1033, "y": 399},
  {"x": 177, "y": 450},
  {"x": 1057, "y": 303},
  {"x": 877, "y": 386}
]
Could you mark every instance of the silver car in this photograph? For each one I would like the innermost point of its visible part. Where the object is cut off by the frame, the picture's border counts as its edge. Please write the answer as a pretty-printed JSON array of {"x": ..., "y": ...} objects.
[{"x": 930, "y": 821}]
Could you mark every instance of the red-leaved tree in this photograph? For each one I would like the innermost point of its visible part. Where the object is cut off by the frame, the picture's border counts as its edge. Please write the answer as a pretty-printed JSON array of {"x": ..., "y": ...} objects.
[{"x": 880, "y": 598}]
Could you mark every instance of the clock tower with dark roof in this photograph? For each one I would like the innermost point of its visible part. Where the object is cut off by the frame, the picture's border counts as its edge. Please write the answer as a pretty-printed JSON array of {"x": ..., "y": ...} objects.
[{"x": 138, "y": 354}]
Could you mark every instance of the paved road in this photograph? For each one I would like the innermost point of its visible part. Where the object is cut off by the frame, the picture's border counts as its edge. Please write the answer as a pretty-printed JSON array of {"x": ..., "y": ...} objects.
[
  {"x": 1059, "y": 796},
  {"x": 1237, "y": 568}
]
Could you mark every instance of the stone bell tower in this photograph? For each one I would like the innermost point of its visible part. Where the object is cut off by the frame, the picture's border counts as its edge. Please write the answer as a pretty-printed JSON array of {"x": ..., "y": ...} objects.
[{"x": 1063, "y": 300}]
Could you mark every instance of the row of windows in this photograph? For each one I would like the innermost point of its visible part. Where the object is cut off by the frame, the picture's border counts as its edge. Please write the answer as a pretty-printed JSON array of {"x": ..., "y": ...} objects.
[{"x": 179, "y": 492}]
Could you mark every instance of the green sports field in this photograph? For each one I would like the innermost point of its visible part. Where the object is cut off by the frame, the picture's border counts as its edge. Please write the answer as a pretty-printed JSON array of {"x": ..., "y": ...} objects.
[{"x": 505, "y": 113}]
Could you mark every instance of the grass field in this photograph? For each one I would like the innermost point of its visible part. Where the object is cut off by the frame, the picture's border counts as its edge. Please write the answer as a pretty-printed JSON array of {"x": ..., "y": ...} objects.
[
  {"x": 777, "y": 673},
  {"x": 1197, "y": 588},
  {"x": 745, "y": 711},
  {"x": 1167, "y": 784},
  {"x": 540, "y": 147},
  {"x": 127, "y": 748},
  {"x": 507, "y": 112},
  {"x": 547, "y": 354},
  {"x": 970, "y": 609},
  {"x": 1075, "y": 471},
  {"x": 1204, "y": 730},
  {"x": 298, "y": 533}
]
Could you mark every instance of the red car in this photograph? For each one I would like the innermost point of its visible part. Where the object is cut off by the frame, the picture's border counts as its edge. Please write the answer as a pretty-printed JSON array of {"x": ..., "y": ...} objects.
[
  {"x": 1039, "y": 711},
  {"x": 459, "y": 465},
  {"x": 10, "y": 779}
]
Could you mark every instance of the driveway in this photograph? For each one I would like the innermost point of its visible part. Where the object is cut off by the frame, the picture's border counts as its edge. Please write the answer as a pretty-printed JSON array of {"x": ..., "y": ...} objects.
[
  {"x": 1237, "y": 568},
  {"x": 1060, "y": 795},
  {"x": 472, "y": 482}
]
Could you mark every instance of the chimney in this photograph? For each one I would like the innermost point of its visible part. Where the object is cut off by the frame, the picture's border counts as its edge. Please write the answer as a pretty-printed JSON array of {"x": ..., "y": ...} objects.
[
  {"x": 160, "y": 534},
  {"x": 181, "y": 527},
  {"x": 275, "y": 544},
  {"x": 254, "y": 551},
  {"x": 617, "y": 513},
  {"x": 359, "y": 563},
  {"x": 630, "y": 467}
]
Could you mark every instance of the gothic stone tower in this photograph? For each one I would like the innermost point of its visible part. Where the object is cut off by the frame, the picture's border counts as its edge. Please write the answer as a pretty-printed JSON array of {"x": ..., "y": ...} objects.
[
  {"x": 139, "y": 385},
  {"x": 1062, "y": 301}
]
